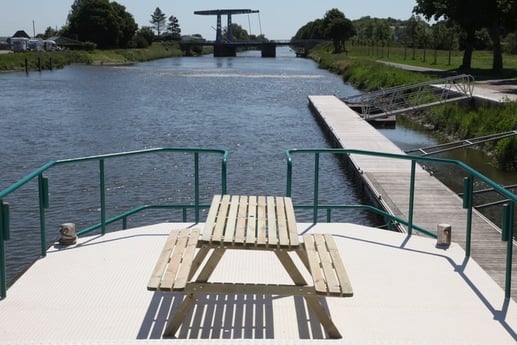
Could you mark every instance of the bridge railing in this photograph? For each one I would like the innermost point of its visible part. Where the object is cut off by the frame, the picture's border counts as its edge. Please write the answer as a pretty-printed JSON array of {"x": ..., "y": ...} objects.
[{"x": 472, "y": 177}]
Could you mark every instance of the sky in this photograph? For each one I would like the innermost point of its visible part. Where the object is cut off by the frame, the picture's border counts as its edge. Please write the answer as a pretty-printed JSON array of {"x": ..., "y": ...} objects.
[{"x": 276, "y": 20}]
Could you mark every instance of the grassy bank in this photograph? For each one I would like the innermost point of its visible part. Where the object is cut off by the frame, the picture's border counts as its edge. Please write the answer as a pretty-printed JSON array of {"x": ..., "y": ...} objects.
[
  {"x": 362, "y": 70},
  {"x": 50, "y": 60}
]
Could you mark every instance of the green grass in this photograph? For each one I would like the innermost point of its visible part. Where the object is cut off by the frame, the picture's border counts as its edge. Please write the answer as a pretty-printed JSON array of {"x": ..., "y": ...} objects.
[
  {"x": 360, "y": 68},
  {"x": 16, "y": 61}
]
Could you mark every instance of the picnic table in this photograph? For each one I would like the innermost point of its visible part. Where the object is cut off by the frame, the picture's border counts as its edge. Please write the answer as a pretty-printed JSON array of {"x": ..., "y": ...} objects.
[{"x": 237, "y": 222}]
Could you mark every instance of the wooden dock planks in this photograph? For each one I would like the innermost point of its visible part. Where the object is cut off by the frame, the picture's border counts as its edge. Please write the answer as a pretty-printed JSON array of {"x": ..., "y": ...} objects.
[{"x": 389, "y": 180}]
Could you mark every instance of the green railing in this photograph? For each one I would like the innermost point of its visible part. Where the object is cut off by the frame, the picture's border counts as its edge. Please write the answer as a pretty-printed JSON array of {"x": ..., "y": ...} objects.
[
  {"x": 43, "y": 195},
  {"x": 468, "y": 183}
]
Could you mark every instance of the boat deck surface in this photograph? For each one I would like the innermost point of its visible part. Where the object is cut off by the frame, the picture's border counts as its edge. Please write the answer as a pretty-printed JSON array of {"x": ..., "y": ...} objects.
[{"x": 406, "y": 291}]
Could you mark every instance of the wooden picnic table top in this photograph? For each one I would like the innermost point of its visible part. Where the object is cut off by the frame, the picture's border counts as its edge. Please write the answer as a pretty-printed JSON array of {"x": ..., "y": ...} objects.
[{"x": 260, "y": 221}]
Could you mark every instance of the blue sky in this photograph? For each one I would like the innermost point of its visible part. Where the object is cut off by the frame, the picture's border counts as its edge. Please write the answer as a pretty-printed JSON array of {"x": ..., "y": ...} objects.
[{"x": 277, "y": 19}]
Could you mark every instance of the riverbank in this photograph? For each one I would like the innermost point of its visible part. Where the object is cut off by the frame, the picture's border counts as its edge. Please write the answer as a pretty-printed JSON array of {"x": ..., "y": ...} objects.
[
  {"x": 452, "y": 121},
  {"x": 58, "y": 59}
]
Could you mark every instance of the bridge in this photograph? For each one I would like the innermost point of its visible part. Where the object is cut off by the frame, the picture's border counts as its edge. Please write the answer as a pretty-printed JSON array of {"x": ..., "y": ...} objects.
[{"x": 227, "y": 46}]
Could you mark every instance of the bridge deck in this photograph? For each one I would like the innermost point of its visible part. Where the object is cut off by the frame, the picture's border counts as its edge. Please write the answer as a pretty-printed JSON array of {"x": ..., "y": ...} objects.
[{"x": 389, "y": 180}]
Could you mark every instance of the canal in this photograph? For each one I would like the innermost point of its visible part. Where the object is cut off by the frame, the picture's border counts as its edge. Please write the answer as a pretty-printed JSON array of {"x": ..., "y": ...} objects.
[{"x": 252, "y": 107}]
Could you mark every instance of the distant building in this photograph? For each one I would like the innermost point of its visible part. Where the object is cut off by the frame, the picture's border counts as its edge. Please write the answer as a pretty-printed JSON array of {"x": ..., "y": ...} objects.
[{"x": 21, "y": 34}]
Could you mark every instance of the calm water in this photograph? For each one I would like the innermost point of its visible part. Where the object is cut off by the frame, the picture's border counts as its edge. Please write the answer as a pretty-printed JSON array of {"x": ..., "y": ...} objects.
[{"x": 255, "y": 108}]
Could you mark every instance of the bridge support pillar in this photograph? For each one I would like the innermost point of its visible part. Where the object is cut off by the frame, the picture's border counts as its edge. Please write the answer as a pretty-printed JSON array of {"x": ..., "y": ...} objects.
[
  {"x": 268, "y": 50},
  {"x": 223, "y": 50}
]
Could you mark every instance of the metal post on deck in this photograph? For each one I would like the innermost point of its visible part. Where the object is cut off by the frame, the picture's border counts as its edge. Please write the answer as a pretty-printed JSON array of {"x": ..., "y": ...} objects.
[
  {"x": 43, "y": 204},
  {"x": 507, "y": 235},
  {"x": 468, "y": 183},
  {"x": 411, "y": 197},
  {"x": 103, "y": 197}
]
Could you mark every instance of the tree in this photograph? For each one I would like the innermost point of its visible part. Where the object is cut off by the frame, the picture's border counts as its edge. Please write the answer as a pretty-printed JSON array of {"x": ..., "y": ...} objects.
[
  {"x": 339, "y": 30},
  {"x": 158, "y": 20},
  {"x": 238, "y": 33},
  {"x": 105, "y": 23},
  {"x": 471, "y": 16},
  {"x": 173, "y": 28}
]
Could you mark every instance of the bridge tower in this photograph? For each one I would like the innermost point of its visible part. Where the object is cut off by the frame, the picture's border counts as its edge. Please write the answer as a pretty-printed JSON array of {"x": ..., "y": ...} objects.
[{"x": 221, "y": 47}]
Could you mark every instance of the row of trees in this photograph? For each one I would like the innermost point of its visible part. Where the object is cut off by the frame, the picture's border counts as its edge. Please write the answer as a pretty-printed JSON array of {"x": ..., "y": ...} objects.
[
  {"x": 107, "y": 24},
  {"x": 496, "y": 16},
  {"x": 463, "y": 24}
]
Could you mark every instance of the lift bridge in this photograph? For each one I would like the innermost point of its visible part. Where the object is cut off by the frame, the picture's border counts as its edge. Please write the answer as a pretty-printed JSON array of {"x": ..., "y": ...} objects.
[{"x": 410, "y": 98}]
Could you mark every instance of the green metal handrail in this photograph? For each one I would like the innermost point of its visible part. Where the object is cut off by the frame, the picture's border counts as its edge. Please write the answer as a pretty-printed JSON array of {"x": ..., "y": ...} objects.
[
  {"x": 43, "y": 192},
  {"x": 508, "y": 208}
]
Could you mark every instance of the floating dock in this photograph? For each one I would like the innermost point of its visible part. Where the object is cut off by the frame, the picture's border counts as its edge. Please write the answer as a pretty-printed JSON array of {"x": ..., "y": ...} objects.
[{"x": 387, "y": 182}]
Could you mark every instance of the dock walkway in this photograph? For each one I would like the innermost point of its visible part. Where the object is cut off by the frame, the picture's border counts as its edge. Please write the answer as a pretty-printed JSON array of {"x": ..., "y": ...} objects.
[{"x": 389, "y": 180}]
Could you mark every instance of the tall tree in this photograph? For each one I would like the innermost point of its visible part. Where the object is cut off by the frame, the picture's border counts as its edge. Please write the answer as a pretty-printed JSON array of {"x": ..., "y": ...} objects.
[
  {"x": 173, "y": 27},
  {"x": 158, "y": 20},
  {"x": 337, "y": 28},
  {"x": 100, "y": 21}
]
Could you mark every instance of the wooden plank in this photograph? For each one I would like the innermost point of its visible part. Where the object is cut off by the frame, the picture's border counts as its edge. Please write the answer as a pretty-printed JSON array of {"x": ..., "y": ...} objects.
[
  {"x": 261, "y": 221},
  {"x": 169, "y": 277},
  {"x": 291, "y": 222},
  {"x": 314, "y": 264},
  {"x": 220, "y": 221},
  {"x": 251, "y": 228},
  {"x": 326, "y": 265},
  {"x": 272, "y": 230},
  {"x": 282, "y": 222},
  {"x": 163, "y": 260},
  {"x": 186, "y": 261},
  {"x": 229, "y": 232},
  {"x": 210, "y": 219},
  {"x": 240, "y": 232},
  {"x": 344, "y": 281}
]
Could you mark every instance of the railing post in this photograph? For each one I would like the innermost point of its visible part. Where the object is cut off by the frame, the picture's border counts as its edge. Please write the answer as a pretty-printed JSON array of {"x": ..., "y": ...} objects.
[
  {"x": 315, "y": 202},
  {"x": 411, "y": 197},
  {"x": 103, "y": 196},
  {"x": 289, "y": 175},
  {"x": 196, "y": 186},
  {"x": 4, "y": 236},
  {"x": 507, "y": 235},
  {"x": 43, "y": 204},
  {"x": 468, "y": 183}
]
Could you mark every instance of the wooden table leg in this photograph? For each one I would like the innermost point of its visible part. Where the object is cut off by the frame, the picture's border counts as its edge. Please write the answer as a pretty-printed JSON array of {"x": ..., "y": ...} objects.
[
  {"x": 212, "y": 262},
  {"x": 314, "y": 304},
  {"x": 290, "y": 267},
  {"x": 174, "y": 324}
]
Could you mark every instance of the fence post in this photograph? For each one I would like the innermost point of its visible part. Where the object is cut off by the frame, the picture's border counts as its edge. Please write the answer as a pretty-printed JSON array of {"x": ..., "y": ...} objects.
[{"x": 411, "y": 197}]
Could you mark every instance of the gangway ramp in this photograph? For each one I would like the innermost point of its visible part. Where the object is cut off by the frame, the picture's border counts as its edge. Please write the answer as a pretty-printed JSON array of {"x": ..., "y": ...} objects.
[
  {"x": 410, "y": 98},
  {"x": 431, "y": 150}
]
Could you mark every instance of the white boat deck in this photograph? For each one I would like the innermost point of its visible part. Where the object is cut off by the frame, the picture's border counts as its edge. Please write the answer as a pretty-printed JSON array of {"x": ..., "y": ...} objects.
[{"x": 406, "y": 291}]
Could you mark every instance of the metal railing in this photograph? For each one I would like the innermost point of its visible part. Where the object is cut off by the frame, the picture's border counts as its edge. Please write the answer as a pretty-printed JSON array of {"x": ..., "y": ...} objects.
[
  {"x": 412, "y": 97},
  {"x": 43, "y": 196},
  {"x": 508, "y": 208}
]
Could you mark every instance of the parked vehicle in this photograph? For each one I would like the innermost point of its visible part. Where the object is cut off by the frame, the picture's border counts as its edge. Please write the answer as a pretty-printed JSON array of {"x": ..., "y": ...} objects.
[
  {"x": 36, "y": 44},
  {"x": 19, "y": 44}
]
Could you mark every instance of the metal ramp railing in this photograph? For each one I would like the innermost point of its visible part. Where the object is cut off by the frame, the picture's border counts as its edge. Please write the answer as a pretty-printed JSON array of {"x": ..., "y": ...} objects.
[
  {"x": 409, "y": 98},
  {"x": 431, "y": 150}
]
